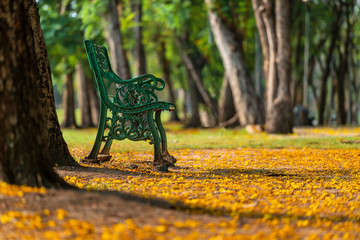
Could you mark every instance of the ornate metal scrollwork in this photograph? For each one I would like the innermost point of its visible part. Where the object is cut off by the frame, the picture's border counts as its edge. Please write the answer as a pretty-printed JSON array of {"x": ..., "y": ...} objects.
[
  {"x": 131, "y": 126},
  {"x": 134, "y": 95},
  {"x": 100, "y": 54}
]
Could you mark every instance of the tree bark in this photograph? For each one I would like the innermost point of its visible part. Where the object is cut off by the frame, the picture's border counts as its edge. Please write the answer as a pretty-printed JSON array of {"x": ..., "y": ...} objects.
[
  {"x": 57, "y": 147},
  {"x": 194, "y": 71},
  {"x": 343, "y": 69},
  {"x": 274, "y": 34},
  {"x": 24, "y": 157},
  {"x": 248, "y": 106},
  {"x": 94, "y": 103},
  {"x": 325, "y": 74},
  {"x": 69, "y": 102},
  {"x": 139, "y": 52},
  {"x": 83, "y": 96},
  {"x": 114, "y": 39},
  {"x": 165, "y": 66},
  {"x": 194, "y": 121},
  {"x": 227, "y": 109}
]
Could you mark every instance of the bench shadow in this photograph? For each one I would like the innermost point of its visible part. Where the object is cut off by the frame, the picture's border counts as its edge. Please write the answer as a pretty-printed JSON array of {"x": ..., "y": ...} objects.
[{"x": 96, "y": 170}]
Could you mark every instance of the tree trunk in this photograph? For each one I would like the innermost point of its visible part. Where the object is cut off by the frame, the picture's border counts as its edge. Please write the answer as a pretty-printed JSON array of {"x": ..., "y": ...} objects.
[
  {"x": 165, "y": 66},
  {"x": 24, "y": 157},
  {"x": 298, "y": 71},
  {"x": 194, "y": 71},
  {"x": 57, "y": 147},
  {"x": 94, "y": 103},
  {"x": 325, "y": 74},
  {"x": 194, "y": 121},
  {"x": 344, "y": 68},
  {"x": 69, "y": 102},
  {"x": 83, "y": 96},
  {"x": 114, "y": 39},
  {"x": 248, "y": 106},
  {"x": 354, "y": 67},
  {"x": 274, "y": 34},
  {"x": 139, "y": 52},
  {"x": 227, "y": 111}
]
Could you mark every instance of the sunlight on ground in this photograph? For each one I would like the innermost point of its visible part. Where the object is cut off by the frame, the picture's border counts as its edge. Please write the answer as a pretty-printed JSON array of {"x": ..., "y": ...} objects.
[{"x": 289, "y": 193}]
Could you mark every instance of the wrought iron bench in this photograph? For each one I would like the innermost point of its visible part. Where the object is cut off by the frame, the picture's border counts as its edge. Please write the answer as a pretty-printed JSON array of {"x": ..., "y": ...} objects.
[{"x": 128, "y": 109}]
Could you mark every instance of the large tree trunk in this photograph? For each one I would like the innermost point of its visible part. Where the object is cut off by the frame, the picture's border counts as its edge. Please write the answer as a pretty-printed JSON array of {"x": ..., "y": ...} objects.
[
  {"x": 57, "y": 147},
  {"x": 165, "y": 66},
  {"x": 139, "y": 52},
  {"x": 69, "y": 102},
  {"x": 24, "y": 157},
  {"x": 114, "y": 39},
  {"x": 274, "y": 32},
  {"x": 248, "y": 106},
  {"x": 83, "y": 96}
]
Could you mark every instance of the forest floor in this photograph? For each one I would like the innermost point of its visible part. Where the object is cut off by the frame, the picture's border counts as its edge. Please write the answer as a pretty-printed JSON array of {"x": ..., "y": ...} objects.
[{"x": 238, "y": 193}]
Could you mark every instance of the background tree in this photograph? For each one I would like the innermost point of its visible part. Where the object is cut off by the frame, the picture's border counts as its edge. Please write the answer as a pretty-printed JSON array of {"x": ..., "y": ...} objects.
[
  {"x": 23, "y": 157},
  {"x": 61, "y": 23},
  {"x": 195, "y": 68},
  {"x": 249, "y": 109},
  {"x": 139, "y": 51},
  {"x": 274, "y": 30},
  {"x": 115, "y": 41}
]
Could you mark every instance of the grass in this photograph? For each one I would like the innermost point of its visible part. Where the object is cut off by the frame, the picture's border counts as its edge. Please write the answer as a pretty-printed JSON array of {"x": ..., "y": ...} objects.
[{"x": 179, "y": 138}]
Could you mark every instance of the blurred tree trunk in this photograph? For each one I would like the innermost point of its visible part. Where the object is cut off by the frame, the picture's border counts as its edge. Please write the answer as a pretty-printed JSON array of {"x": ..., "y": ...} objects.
[
  {"x": 83, "y": 96},
  {"x": 165, "y": 66},
  {"x": 298, "y": 71},
  {"x": 193, "y": 106},
  {"x": 227, "y": 111},
  {"x": 57, "y": 147},
  {"x": 114, "y": 39},
  {"x": 24, "y": 157},
  {"x": 342, "y": 70},
  {"x": 139, "y": 52},
  {"x": 119, "y": 7},
  {"x": 94, "y": 102},
  {"x": 249, "y": 108},
  {"x": 274, "y": 32},
  {"x": 355, "y": 84},
  {"x": 326, "y": 71},
  {"x": 194, "y": 63},
  {"x": 69, "y": 102}
]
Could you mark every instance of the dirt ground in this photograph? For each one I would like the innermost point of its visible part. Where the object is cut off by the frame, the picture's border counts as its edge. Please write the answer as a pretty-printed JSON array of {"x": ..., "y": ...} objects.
[
  {"x": 84, "y": 214},
  {"x": 103, "y": 209}
]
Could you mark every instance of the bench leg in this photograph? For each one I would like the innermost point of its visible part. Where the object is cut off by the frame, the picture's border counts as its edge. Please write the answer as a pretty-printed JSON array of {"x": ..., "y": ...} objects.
[
  {"x": 158, "y": 159},
  {"x": 93, "y": 155},
  {"x": 107, "y": 146},
  {"x": 165, "y": 154}
]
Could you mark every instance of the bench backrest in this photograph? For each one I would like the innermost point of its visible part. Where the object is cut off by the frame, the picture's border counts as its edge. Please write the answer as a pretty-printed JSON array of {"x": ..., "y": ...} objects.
[
  {"x": 124, "y": 93},
  {"x": 100, "y": 64}
]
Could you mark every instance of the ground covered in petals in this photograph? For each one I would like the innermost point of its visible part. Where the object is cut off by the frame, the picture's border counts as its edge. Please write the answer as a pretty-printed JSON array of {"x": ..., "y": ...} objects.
[{"x": 233, "y": 193}]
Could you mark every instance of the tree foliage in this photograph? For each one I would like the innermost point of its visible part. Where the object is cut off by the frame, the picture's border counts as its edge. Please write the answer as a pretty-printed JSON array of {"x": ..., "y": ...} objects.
[{"x": 163, "y": 20}]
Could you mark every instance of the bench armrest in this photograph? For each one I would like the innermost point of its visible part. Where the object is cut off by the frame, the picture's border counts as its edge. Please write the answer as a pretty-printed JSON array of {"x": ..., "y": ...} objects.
[{"x": 146, "y": 80}]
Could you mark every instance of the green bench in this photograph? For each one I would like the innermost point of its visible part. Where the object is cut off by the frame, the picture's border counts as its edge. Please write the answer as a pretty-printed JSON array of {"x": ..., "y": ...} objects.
[{"x": 129, "y": 109}]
